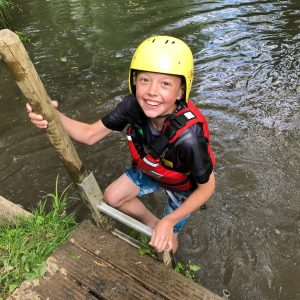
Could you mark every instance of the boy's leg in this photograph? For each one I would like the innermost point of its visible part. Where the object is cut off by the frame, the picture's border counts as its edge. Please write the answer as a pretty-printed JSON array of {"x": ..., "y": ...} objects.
[{"x": 122, "y": 193}]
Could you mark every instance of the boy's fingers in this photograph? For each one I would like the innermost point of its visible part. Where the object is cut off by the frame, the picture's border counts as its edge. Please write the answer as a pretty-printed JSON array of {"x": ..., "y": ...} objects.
[
  {"x": 55, "y": 103},
  {"x": 40, "y": 124},
  {"x": 161, "y": 245},
  {"x": 28, "y": 107},
  {"x": 35, "y": 117}
]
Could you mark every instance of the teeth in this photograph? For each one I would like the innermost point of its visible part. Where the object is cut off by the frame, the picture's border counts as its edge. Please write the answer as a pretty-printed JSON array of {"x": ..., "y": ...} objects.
[{"x": 152, "y": 103}]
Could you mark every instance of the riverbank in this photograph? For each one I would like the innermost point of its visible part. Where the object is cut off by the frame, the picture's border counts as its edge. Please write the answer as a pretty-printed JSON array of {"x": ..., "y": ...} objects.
[{"x": 27, "y": 240}]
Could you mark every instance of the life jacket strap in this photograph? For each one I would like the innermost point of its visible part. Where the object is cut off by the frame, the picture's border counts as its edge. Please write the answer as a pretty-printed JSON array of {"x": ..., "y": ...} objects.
[{"x": 176, "y": 122}]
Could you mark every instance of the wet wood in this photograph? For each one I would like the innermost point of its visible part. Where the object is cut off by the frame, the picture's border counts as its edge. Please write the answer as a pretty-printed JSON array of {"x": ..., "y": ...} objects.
[
  {"x": 94, "y": 263},
  {"x": 16, "y": 57}
]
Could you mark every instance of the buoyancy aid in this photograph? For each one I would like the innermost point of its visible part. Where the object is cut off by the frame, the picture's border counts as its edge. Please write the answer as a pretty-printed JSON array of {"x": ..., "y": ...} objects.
[{"x": 152, "y": 163}]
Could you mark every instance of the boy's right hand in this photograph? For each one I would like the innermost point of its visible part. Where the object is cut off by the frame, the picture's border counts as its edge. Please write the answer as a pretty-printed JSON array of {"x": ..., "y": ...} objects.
[{"x": 37, "y": 119}]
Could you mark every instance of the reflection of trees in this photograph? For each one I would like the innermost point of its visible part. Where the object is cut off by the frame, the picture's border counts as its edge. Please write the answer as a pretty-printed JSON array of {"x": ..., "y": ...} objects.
[{"x": 291, "y": 15}]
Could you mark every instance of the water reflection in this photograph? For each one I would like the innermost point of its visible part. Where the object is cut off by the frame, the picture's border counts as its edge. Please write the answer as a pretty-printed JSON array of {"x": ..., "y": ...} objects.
[{"x": 247, "y": 68}]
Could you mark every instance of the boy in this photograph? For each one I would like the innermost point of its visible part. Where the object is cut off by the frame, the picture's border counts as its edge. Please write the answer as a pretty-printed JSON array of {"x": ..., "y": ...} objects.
[{"x": 168, "y": 139}]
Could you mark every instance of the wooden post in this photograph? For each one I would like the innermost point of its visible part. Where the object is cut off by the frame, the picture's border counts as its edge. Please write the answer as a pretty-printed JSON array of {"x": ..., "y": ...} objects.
[{"x": 14, "y": 54}]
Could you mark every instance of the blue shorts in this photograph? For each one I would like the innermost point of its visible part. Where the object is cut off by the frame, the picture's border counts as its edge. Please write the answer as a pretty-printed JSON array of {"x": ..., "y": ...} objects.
[{"x": 147, "y": 186}]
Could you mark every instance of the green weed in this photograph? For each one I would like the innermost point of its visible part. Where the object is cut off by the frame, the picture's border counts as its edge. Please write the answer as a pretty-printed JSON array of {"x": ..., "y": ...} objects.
[
  {"x": 142, "y": 238},
  {"x": 188, "y": 270},
  {"x": 23, "y": 36},
  {"x": 27, "y": 243}
]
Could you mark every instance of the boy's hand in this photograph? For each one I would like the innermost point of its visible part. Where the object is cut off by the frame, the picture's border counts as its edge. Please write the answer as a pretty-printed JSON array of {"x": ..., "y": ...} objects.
[
  {"x": 37, "y": 119},
  {"x": 162, "y": 235}
]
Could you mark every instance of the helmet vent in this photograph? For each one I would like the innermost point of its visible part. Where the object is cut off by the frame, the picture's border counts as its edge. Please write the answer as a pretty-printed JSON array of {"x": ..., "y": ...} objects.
[
  {"x": 166, "y": 42},
  {"x": 153, "y": 40}
]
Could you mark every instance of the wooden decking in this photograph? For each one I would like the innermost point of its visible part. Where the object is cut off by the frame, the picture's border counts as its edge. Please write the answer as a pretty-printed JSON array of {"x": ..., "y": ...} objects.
[{"x": 94, "y": 264}]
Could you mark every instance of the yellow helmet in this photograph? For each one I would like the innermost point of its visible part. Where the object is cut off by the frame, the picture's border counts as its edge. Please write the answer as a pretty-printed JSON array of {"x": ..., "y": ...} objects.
[{"x": 163, "y": 54}]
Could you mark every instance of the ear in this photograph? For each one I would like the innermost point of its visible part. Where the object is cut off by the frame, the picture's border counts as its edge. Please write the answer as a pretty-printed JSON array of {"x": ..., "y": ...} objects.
[{"x": 181, "y": 92}]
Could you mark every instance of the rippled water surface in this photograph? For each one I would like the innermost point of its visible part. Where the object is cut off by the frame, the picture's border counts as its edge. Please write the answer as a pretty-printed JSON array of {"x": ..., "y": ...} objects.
[{"x": 247, "y": 67}]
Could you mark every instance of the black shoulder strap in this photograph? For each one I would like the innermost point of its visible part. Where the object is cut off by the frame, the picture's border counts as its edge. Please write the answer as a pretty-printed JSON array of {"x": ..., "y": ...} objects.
[{"x": 176, "y": 123}]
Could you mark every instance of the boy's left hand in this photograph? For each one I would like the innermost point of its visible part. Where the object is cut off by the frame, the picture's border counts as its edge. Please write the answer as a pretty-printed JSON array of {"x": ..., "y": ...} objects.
[{"x": 162, "y": 236}]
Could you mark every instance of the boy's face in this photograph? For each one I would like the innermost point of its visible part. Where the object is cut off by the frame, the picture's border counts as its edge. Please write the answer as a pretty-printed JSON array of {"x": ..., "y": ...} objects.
[{"x": 156, "y": 93}]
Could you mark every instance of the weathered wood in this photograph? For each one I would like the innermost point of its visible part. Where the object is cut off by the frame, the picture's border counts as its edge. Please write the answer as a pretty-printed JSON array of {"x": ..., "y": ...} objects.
[
  {"x": 101, "y": 278},
  {"x": 16, "y": 57},
  {"x": 94, "y": 264},
  {"x": 144, "y": 269},
  {"x": 9, "y": 211},
  {"x": 57, "y": 287}
]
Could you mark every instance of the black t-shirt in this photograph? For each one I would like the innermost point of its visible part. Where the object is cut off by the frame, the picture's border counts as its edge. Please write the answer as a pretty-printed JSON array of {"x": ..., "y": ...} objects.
[{"x": 187, "y": 155}]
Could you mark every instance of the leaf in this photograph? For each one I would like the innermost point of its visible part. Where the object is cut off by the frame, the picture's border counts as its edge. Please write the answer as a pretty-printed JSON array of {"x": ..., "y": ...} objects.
[
  {"x": 5, "y": 263},
  {"x": 26, "y": 268},
  {"x": 143, "y": 251},
  {"x": 144, "y": 239},
  {"x": 12, "y": 287},
  {"x": 30, "y": 276},
  {"x": 179, "y": 267},
  {"x": 42, "y": 269},
  {"x": 39, "y": 220},
  {"x": 188, "y": 274},
  {"x": 194, "y": 268}
]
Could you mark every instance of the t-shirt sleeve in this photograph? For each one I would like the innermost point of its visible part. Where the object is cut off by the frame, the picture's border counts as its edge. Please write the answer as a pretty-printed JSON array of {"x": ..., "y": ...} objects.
[
  {"x": 194, "y": 152},
  {"x": 117, "y": 119}
]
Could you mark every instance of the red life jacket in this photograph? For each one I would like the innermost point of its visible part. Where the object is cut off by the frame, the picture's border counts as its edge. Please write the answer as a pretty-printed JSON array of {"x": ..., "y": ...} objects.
[{"x": 151, "y": 162}]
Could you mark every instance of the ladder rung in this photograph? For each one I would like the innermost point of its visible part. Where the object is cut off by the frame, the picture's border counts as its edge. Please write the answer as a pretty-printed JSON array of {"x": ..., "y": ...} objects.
[{"x": 125, "y": 219}]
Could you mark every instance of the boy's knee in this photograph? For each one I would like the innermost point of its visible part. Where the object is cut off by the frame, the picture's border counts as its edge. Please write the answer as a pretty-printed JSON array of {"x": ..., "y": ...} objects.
[{"x": 110, "y": 197}]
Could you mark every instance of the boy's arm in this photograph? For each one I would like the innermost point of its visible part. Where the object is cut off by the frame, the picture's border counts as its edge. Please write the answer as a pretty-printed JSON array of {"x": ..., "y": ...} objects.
[
  {"x": 82, "y": 132},
  {"x": 162, "y": 234}
]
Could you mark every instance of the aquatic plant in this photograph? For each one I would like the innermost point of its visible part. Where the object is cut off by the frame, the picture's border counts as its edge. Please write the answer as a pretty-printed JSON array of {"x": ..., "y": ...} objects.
[
  {"x": 188, "y": 270},
  {"x": 28, "y": 242}
]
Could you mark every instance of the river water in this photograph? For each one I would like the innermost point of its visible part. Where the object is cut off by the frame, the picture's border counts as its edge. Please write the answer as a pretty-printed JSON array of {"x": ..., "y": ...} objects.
[{"x": 247, "y": 67}]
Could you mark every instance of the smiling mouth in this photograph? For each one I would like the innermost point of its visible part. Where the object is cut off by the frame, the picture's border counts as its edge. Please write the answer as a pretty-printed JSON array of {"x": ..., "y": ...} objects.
[{"x": 152, "y": 103}]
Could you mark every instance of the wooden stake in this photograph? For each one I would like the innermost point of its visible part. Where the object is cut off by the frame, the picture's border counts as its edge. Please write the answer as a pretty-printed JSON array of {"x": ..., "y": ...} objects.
[{"x": 16, "y": 57}]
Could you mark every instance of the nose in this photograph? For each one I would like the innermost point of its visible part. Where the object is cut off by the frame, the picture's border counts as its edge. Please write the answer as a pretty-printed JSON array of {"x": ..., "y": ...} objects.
[{"x": 153, "y": 88}]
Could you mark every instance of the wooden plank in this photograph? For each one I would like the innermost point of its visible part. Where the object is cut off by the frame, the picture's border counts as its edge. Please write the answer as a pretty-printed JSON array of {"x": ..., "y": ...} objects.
[
  {"x": 61, "y": 287},
  {"x": 52, "y": 287},
  {"x": 144, "y": 269},
  {"x": 100, "y": 278}
]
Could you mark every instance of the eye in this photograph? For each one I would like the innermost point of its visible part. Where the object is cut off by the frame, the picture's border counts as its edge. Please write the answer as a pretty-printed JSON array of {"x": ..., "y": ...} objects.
[
  {"x": 143, "y": 80},
  {"x": 166, "y": 83}
]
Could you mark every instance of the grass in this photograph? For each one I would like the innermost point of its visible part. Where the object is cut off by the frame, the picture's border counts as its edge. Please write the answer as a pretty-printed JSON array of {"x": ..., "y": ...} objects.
[
  {"x": 5, "y": 7},
  {"x": 27, "y": 243}
]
